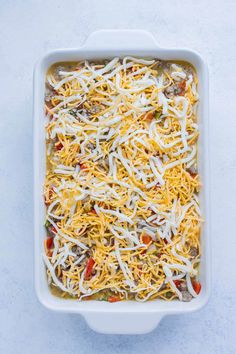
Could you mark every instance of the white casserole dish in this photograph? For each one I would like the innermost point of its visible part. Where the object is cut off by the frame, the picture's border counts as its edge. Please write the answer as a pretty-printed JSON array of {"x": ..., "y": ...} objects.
[{"x": 127, "y": 317}]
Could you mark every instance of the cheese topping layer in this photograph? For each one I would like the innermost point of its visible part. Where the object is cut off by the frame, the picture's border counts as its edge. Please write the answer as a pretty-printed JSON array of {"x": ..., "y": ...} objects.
[{"x": 121, "y": 189}]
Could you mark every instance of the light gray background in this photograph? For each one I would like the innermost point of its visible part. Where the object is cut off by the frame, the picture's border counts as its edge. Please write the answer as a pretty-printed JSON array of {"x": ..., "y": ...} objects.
[{"x": 27, "y": 30}]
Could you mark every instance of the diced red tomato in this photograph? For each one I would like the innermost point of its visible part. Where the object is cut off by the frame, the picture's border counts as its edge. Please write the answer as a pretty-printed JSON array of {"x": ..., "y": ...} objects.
[
  {"x": 83, "y": 166},
  {"x": 182, "y": 86},
  {"x": 192, "y": 174},
  {"x": 49, "y": 253},
  {"x": 93, "y": 211},
  {"x": 146, "y": 239},
  {"x": 53, "y": 229},
  {"x": 113, "y": 299},
  {"x": 58, "y": 146},
  {"x": 196, "y": 286},
  {"x": 49, "y": 242},
  {"x": 177, "y": 283},
  {"x": 89, "y": 268},
  {"x": 148, "y": 116}
]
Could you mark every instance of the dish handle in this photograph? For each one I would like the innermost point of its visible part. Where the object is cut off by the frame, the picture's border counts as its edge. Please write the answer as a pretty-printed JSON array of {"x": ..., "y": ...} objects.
[
  {"x": 116, "y": 39},
  {"x": 123, "y": 323}
]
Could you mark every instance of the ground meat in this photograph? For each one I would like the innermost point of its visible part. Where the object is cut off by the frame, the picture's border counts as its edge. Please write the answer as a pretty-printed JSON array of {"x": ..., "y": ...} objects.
[
  {"x": 193, "y": 251},
  {"x": 103, "y": 165},
  {"x": 93, "y": 110},
  {"x": 192, "y": 171},
  {"x": 172, "y": 91},
  {"x": 182, "y": 286},
  {"x": 49, "y": 92},
  {"x": 90, "y": 146},
  {"x": 88, "y": 253},
  {"x": 161, "y": 64},
  {"x": 163, "y": 286},
  {"x": 65, "y": 267},
  {"x": 186, "y": 296},
  {"x": 57, "y": 72},
  {"x": 188, "y": 70},
  {"x": 76, "y": 249}
]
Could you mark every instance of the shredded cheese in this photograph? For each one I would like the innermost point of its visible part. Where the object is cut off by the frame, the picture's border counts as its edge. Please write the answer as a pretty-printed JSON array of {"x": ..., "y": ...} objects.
[{"x": 121, "y": 187}]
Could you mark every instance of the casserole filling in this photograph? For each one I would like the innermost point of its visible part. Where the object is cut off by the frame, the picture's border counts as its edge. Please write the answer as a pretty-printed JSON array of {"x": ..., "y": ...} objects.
[{"x": 121, "y": 189}]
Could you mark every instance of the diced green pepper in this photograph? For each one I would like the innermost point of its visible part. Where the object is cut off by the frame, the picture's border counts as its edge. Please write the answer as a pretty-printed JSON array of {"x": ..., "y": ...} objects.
[
  {"x": 47, "y": 224},
  {"x": 157, "y": 114}
]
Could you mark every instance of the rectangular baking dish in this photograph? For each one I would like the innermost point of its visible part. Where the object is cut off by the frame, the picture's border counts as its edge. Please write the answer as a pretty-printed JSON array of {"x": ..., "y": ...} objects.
[{"x": 127, "y": 317}]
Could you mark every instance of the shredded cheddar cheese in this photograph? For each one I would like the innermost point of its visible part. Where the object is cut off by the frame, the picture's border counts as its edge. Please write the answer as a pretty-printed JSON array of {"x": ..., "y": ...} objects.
[{"x": 121, "y": 188}]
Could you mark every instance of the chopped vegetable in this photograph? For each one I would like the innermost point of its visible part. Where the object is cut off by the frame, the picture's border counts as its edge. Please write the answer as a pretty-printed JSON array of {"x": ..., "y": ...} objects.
[
  {"x": 83, "y": 166},
  {"x": 148, "y": 116},
  {"x": 177, "y": 283},
  {"x": 146, "y": 239},
  {"x": 196, "y": 286},
  {"x": 182, "y": 86},
  {"x": 49, "y": 242},
  {"x": 89, "y": 268},
  {"x": 47, "y": 224},
  {"x": 157, "y": 114},
  {"x": 168, "y": 294},
  {"x": 59, "y": 146},
  {"x": 113, "y": 299},
  {"x": 53, "y": 229}
]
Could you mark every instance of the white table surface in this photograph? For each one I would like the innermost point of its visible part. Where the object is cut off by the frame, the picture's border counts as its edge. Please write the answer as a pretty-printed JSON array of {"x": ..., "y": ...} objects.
[{"x": 27, "y": 30}]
